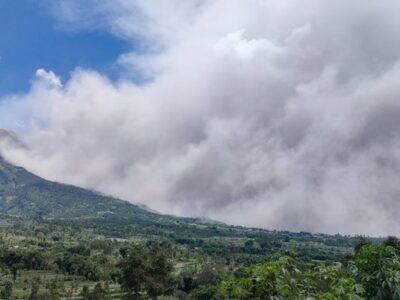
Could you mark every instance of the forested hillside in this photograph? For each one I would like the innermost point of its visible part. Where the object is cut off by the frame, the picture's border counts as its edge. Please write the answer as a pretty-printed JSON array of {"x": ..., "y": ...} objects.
[{"x": 62, "y": 241}]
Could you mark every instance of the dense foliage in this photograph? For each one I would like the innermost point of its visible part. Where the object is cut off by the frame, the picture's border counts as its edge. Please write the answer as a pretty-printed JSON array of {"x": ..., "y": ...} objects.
[
  {"x": 377, "y": 268},
  {"x": 372, "y": 273},
  {"x": 45, "y": 260}
]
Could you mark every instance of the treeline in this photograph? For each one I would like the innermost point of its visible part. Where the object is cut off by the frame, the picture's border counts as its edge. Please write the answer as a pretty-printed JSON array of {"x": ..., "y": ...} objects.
[
  {"x": 214, "y": 240},
  {"x": 149, "y": 271},
  {"x": 372, "y": 272},
  {"x": 47, "y": 260}
]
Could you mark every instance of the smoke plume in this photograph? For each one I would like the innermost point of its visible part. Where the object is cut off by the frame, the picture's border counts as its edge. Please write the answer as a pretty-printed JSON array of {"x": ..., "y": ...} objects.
[{"x": 278, "y": 114}]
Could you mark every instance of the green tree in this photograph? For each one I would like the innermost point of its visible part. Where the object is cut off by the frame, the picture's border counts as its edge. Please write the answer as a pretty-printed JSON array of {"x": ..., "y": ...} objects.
[
  {"x": 377, "y": 268},
  {"x": 393, "y": 242},
  {"x": 34, "y": 291},
  {"x": 85, "y": 293},
  {"x": 158, "y": 277},
  {"x": 145, "y": 271},
  {"x": 360, "y": 244},
  {"x": 133, "y": 272},
  {"x": 53, "y": 289},
  {"x": 98, "y": 293},
  {"x": 204, "y": 292},
  {"x": 6, "y": 291}
]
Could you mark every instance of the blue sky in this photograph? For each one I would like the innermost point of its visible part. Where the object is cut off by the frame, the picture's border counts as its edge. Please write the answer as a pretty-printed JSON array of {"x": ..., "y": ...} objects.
[{"x": 30, "y": 38}]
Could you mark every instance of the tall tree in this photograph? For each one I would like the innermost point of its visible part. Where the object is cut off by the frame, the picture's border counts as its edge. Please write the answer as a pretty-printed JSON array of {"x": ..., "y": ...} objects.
[
  {"x": 6, "y": 291},
  {"x": 145, "y": 271}
]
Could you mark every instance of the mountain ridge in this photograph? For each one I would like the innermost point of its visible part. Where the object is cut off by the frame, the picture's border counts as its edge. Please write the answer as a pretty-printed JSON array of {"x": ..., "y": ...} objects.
[{"x": 23, "y": 193}]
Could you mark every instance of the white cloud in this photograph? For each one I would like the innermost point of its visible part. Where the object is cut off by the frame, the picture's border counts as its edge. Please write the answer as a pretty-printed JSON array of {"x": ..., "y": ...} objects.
[
  {"x": 48, "y": 78},
  {"x": 263, "y": 113}
]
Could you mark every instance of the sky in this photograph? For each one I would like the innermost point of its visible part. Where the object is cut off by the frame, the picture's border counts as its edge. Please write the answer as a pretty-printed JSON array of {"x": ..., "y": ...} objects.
[
  {"x": 261, "y": 113},
  {"x": 31, "y": 39}
]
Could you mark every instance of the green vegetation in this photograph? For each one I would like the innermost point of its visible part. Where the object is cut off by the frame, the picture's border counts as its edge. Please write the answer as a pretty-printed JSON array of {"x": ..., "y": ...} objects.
[
  {"x": 51, "y": 261},
  {"x": 288, "y": 278},
  {"x": 146, "y": 271},
  {"x": 59, "y": 241}
]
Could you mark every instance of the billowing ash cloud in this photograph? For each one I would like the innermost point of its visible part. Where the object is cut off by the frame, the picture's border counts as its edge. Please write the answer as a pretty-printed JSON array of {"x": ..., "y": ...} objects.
[{"x": 280, "y": 114}]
